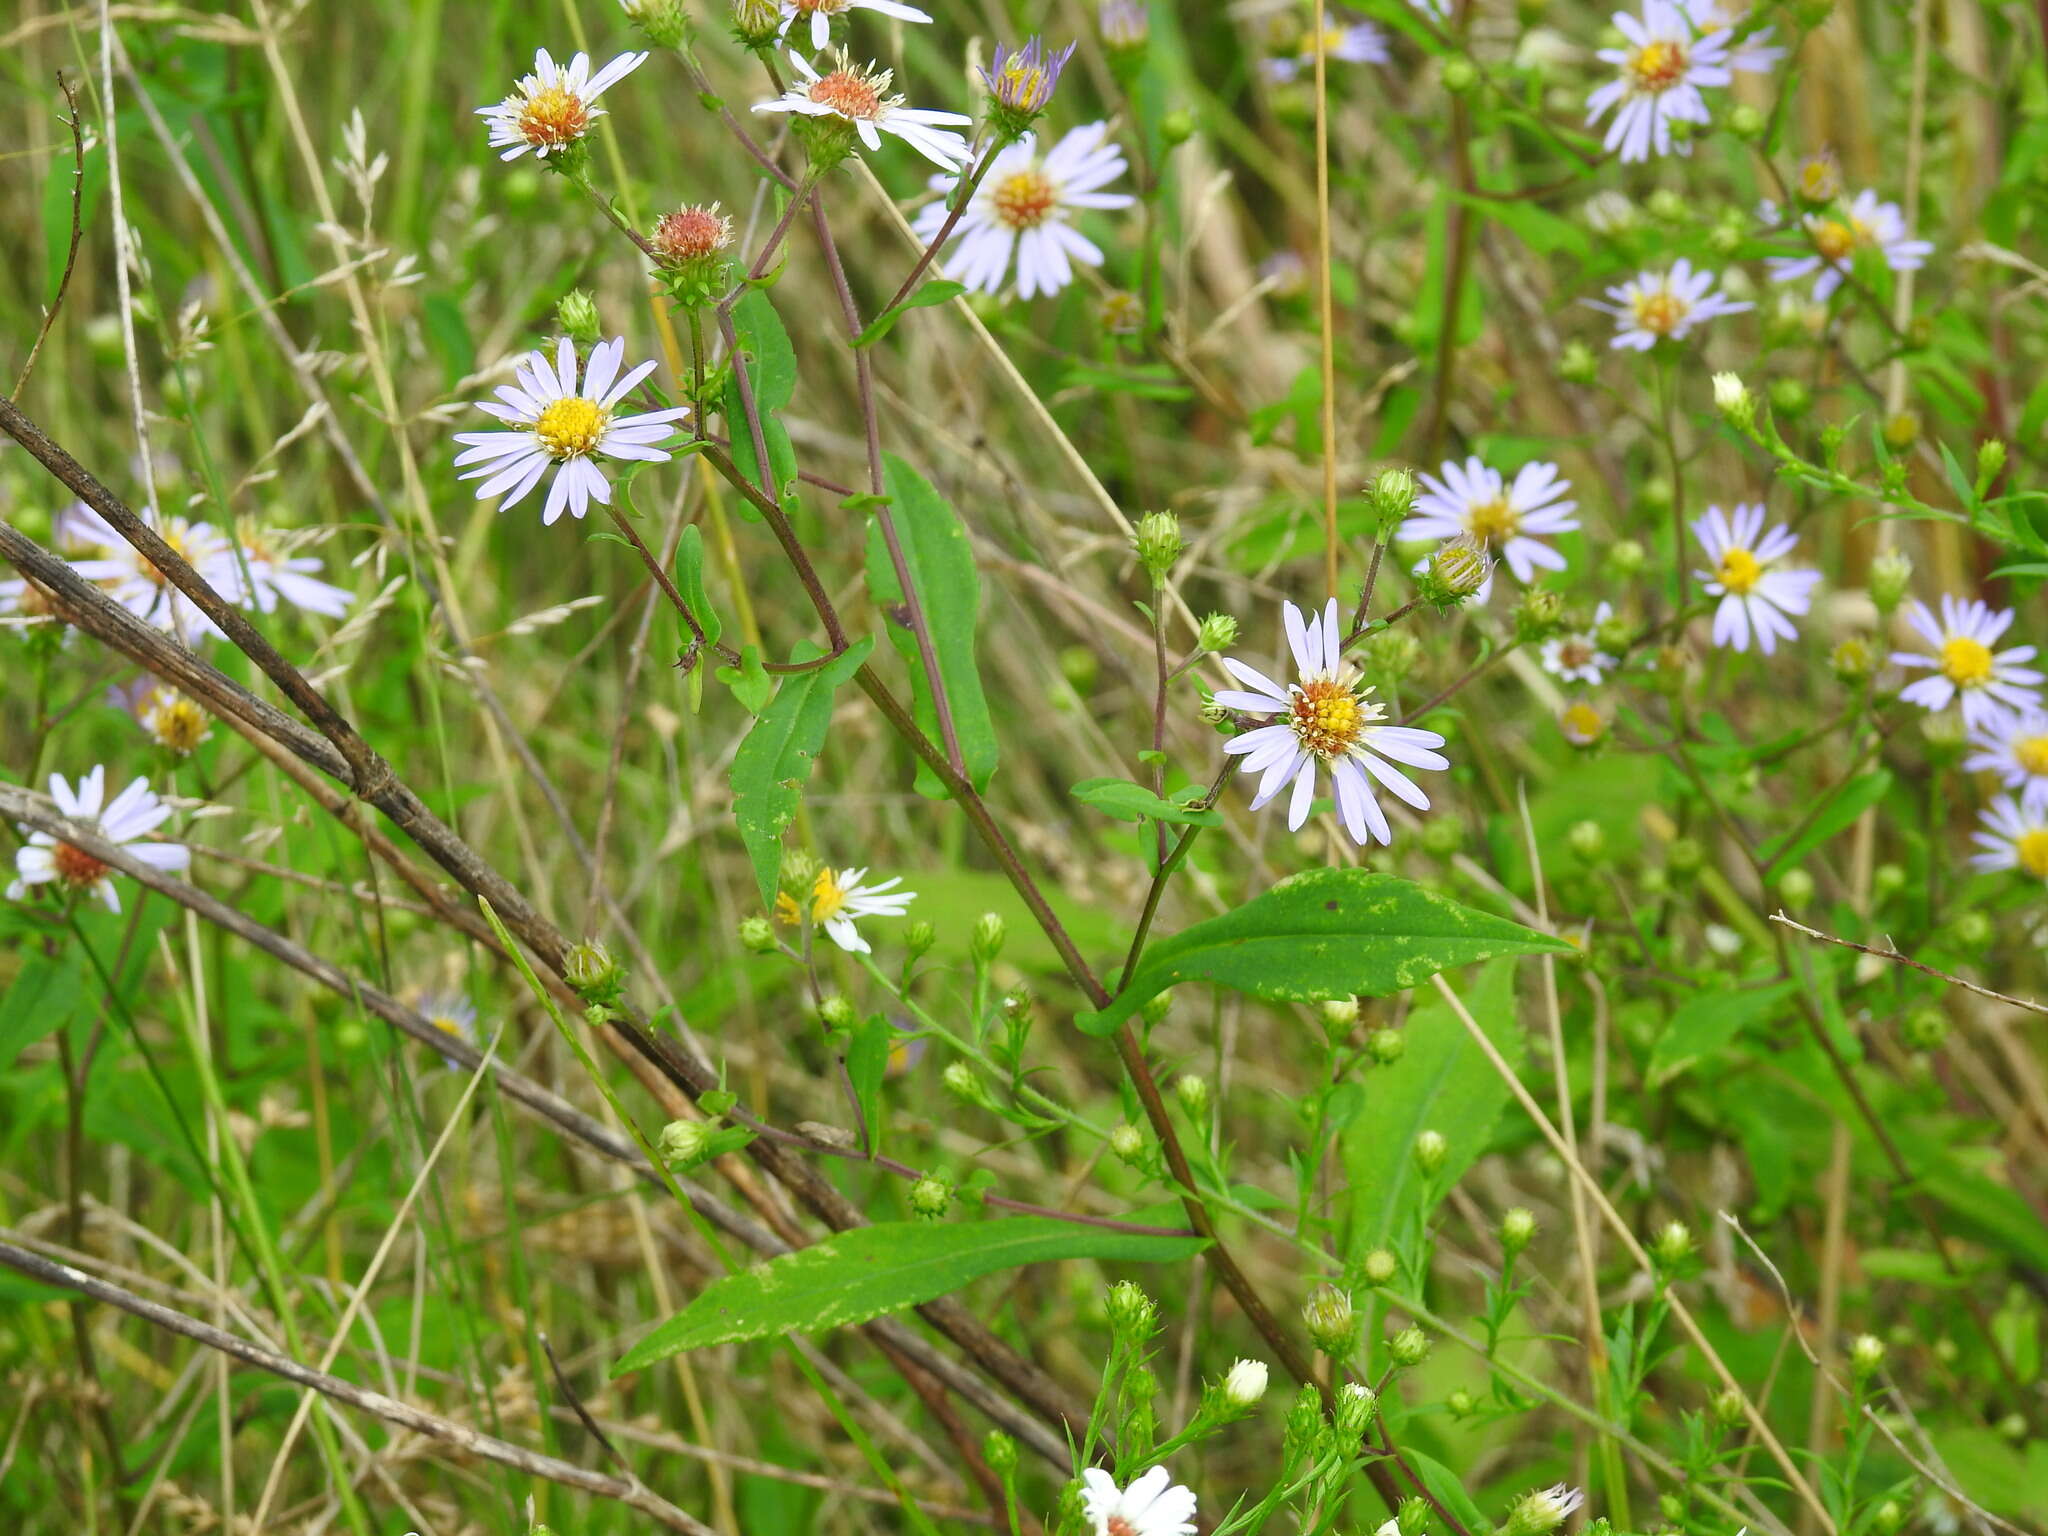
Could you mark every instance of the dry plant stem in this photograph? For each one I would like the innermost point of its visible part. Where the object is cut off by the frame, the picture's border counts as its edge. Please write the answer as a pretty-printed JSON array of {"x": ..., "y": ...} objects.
[
  {"x": 1906, "y": 960},
  {"x": 1679, "y": 1310},
  {"x": 1326, "y": 315},
  {"x": 1836, "y": 1195},
  {"x": 459, "y": 1438},
  {"x": 77, "y": 234}
]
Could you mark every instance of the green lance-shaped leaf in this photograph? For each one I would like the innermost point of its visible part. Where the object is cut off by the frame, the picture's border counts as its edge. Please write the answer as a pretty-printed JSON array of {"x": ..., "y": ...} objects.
[
  {"x": 941, "y": 566},
  {"x": 1326, "y": 933},
  {"x": 870, "y": 1271},
  {"x": 773, "y": 763},
  {"x": 771, "y": 375},
  {"x": 690, "y": 582}
]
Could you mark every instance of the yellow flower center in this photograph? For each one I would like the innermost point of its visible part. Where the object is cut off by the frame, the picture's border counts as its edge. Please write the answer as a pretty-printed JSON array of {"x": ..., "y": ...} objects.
[
  {"x": 1024, "y": 200},
  {"x": 571, "y": 426},
  {"x": 178, "y": 535},
  {"x": 1739, "y": 570},
  {"x": 176, "y": 722},
  {"x": 1834, "y": 239},
  {"x": 819, "y": 7},
  {"x": 553, "y": 116},
  {"x": 1966, "y": 662},
  {"x": 1328, "y": 717},
  {"x": 447, "y": 1024},
  {"x": 76, "y": 867},
  {"x": 1493, "y": 520},
  {"x": 2031, "y": 848},
  {"x": 1819, "y": 179},
  {"x": 847, "y": 93},
  {"x": 1659, "y": 311},
  {"x": 2031, "y": 753},
  {"x": 828, "y": 897},
  {"x": 1582, "y": 723},
  {"x": 1656, "y": 66}
]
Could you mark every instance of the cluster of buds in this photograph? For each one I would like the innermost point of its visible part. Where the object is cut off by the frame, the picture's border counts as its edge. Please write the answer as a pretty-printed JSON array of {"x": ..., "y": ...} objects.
[
  {"x": 930, "y": 1197},
  {"x": 1459, "y": 568},
  {"x": 1133, "y": 1316},
  {"x": 1357, "y": 1406},
  {"x": 1020, "y": 83},
  {"x": 690, "y": 243}
]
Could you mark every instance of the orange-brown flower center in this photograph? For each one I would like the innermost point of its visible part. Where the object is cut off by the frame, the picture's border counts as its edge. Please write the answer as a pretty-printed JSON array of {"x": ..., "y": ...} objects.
[
  {"x": 1024, "y": 200},
  {"x": 552, "y": 116},
  {"x": 1657, "y": 66},
  {"x": 1659, "y": 311},
  {"x": 1326, "y": 717},
  {"x": 76, "y": 867},
  {"x": 1834, "y": 239},
  {"x": 847, "y": 93}
]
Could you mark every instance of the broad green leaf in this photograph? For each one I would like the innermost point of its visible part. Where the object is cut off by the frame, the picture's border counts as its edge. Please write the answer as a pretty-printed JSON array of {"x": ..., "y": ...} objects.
[
  {"x": 941, "y": 566},
  {"x": 937, "y": 291},
  {"x": 46, "y": 994},
  {"x": 1706, "y": 1025},
  {"x": 871, "y": 1271},
  {"x": 690, "y": 582},
  {"x": 1134, "y": 802},
  {"x": 1447, "y": 1488},
  {"x": 1442, "y": 1082},
  {"x": 1860, "y": 795},
  {"x": 771, "y": 375},
  {"x": 867, "y": 1061},
  {"x": 772, "y": 764},
  {"x": 749, "y": 681},
  {"x": 1322, "y": 934}
]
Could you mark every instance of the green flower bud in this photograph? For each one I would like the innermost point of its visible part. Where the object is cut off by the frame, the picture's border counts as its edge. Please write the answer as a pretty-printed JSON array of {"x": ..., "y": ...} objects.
[
  {"x": 1728, "y": 1406},
  {"x": 1924, "y": 1029},
  {"x": 661, "y": 22},
  {"x": 1158, "y": 544},
  {"x": 1386, "y": 1045},
  {"x": 1443, "y": 835},
  {"x": 1667, "y": 206},
  {"x": 1624, "y": 558},
  {"x": 919, "y": 937},
  {"x": 1460, "y": 75},
  {"x": 1746, "y": 122},
  {"x": 576, "y": 317},
  {"x": 1304, "y": 1429},
  {"x": 1430, "y": 1150},
  {"x": 1460, "y": 1404},
  {"x": 1614, "y": 634},
  {"x": 836, "y": 1012},
  {"x": 1588, "y": 840},
  {"x": 989, "y": 932},
  {"x": 1176, "y": 127},
  {"x": 1890, "y": 572},
  {"x": 1542, "y": 1511},
  {"x": 684, "y": 1144},
  {"x": 1218, "y": 632},
  {"x": 1789, "y": 397},
  {"x": 1685, "y": 856},
  {"x": 1538, "y": 615},
  {"x": 1379, "y": 1266},
  {"x": 1340, "y": 1014},
  {"x": 1795, "y": 888},
  {"x": 929, "y": 1198},
  {"x": 1887, "y": 880},
  {"x": 1132, "y": 1316},
  {"x": 1408, "y": 1347},
  {"x": 963, "y": 1084},
  {"x": 757, "y": 935},
  {"x": 1458, "y": 569},
  {"x": 1853, "y": 660},
  {"x": 1888, "y": 1517},
  {"x": 592, "y": 972},
  {"x": 1734, "y": 401},
  {"x": 1578, "y": 363},
  {"x": 1866, "y": 1354},
  {"x": 1127, "y": 1142},
  {"x": 1517, "y": 1230},
  {"x": 1655, "y": 494},
  {"x": 1392, "y": 497},
  {"x": 1156, "y": 1009},
  {"x": 1672, "y": 1245},
  {"x": 1000, "y": 1452},
  {"x": 1193, "y": 1093},
  {"x": 1392, "y": 654},
  {"x": 1357, "y": 1406},
  {"x": 1413, "y": 1520},
  {"x": 756, "y": 22},
  {"x": 1332, "y": 1325},
  {"x": 1990, "y": 462},
  {"x": 1245, "y": 1385}
]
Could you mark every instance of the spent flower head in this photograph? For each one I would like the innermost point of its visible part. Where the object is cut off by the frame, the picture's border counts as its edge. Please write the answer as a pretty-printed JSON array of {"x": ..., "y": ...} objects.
[{"x": 1020, "y": 83}]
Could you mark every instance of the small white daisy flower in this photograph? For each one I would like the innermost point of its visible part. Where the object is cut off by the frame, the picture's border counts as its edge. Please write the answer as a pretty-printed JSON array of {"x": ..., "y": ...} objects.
[
  {"x": 838, "y": 898},
  {"x": 167, "y": 717},
  {"x": 273, "y": 575},
  {"x": 452, "y": 1014},
  {"x": 134, "y": 813},
  {"x": 2015, "y": 837},
  {"x": 821, "y": 13},
  {"x": 1753, "y": 55},
  {"x": 1023, "y": 206},
  {"x": 1965, "y": 667},
  {"x": 1866, "y": 224},
  {"x": 1666, "y": 61},
  {"x": 1358, "y": 42},
  {"x": 556, "y": 425},
  {"x": 1652, "y": 306},
  {"x": 860, "y": 97},
  {"x": 1543, "y": 1510},
  {"x": 551, "y": 108},
  {"x": 1510, "y": 520},
  {"x": 1577, "y": 658},
  {"x": 1756, "y": 599},
  {"x": 1154, "y": 1505},
  {"x": 138, "y": 586},
  {"x": 2014, "y": 745},
  {"x": 1328, "y": 720}
]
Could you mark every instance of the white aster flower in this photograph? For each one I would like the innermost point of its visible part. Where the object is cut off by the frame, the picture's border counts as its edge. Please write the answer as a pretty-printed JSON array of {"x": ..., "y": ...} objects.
[
  {"x": 1752, "y": 55},
  {"x": 134, "y": 813},
  {"x": 2014, "y": 745},
  {"x": 1652, "y": 306},
  {"x": 1154, "y": 1505},
  {"x": 1510, "y": 520},
  {"x": 1577, "y": 658},
  {"x": 2014, "y": 837},
  {"x": 1358, "y": 42},
  {"x": 452, "y": 1014},
  {"x": 1666, "y": 61},
  {"x": 271, "y": 575},
  {"x": 167, "y": 717},
  {"x": 1328, "y": 720},
  {"x": 1965, "y": 667},
  {"x": 1756, "y": 597},
  {"x": 838, "y": 898},
  {"x": 138, "y": 586},
  {"x": 1866, "y": 224},
  {"x": 860, "y": 97},
  {"x": 1023, "y": 206},
  {"x": 556, "y": 425},
  {"x": 551, "y": 108},
  {"x": 821, "y": 13}
]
